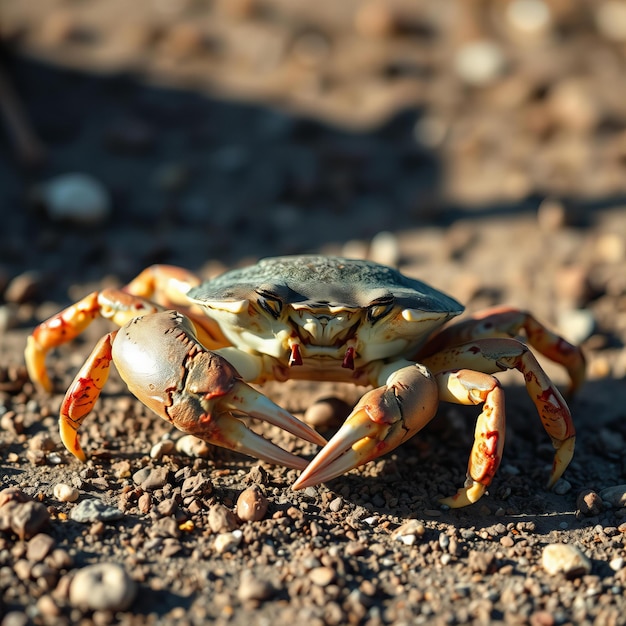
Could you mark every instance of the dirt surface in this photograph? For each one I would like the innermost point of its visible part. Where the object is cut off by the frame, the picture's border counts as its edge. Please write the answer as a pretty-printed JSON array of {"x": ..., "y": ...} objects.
[{"x": 221, "y": 132}]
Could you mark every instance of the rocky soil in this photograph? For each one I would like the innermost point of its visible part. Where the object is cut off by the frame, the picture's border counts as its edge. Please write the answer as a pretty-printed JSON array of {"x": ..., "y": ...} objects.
[{"x": 478, "y": 146}]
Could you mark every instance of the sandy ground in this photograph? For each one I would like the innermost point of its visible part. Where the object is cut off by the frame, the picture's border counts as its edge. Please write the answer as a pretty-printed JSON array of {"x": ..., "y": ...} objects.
[{"x": 223, "y": 132}]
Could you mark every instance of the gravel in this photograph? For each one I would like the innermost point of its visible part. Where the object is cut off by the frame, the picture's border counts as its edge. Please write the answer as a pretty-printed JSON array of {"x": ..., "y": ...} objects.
[{"x": 259, "y": 128}]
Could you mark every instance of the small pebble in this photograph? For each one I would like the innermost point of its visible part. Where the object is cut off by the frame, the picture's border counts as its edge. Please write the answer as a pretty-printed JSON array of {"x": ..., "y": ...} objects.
[
  {"x": 251, "y": 504},
  {"x": 253, "y": 588},
  {"x": 327, "y": 411},
  {"x": 374, "y": 19},
  {"x": 65, "y": 493},
  {"x": 193, "y": 447},
  {"x": 23, "y": 288},
  {"x": 528, "y": 17},
  {"x": 94, "y": 510},
  {"x": 102, "y": 587},
  {"x": 480, "y": 63},
  {"x": 221, "y": 519},
  {"x": 322, "y": 576},
  {"x": 226, "y": 542},
  {"x": 589, "y": 503},
  {"x": 562, "y": 487},
  {"x": 616, "y": 495},
  {"x": 563, "y": 558},
  {"x": 617, "y": 563},
  {"x": 39, "y": 547},
  {"x": 76, "y": 197},
  {"x": 162, "y": 448},
  {"x": 611, "y": 19},
  {"x": 385, "y": 249}
]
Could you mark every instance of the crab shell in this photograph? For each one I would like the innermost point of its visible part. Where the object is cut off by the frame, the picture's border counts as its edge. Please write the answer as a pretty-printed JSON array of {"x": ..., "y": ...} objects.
[{"x": 329, "y": 308}]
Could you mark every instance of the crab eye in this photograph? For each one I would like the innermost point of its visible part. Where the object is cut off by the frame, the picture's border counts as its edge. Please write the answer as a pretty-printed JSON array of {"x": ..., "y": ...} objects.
[
  {"x": 270, "y": 304},
  {"x": 379, "y": 309}
]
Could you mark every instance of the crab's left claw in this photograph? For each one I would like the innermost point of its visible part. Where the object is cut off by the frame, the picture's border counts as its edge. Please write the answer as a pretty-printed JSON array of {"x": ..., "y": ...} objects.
[
  {"x": 383, "y": 419},
  {"x": 200, "y": 392}
]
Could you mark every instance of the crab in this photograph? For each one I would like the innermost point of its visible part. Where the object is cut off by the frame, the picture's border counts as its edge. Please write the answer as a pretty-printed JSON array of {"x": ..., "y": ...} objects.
[{"x": 190, "y": 351}]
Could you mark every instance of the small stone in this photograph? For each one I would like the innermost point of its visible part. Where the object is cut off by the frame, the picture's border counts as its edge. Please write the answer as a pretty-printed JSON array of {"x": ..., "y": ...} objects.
[
  {"x": 76, "y": 197},
  {"x": 562, "y": 487},
  {"x": 589, "y": 503},
  {"x": 94, "y": 510},
  {"x": 326, "y": 412},
  {"x": 577, "y": 324},
  {"x": 225, "y": 542},
  {"x": 25, "y": 519},
  {"x": 193, "y": 447},
  {"x": 482, "y": 562},
  {"x": 529, "y": 17},
  {"x": 616, "y": 496},
  {"x": 196, "y": 485},
  {"x": 156, "y": 479},
  {"x": 221, "y": 519},
  {"x": 563, "y": 558},
  {"x": 160, "y": 449},
  {"x": 23, "y": 288},
  {"x": 385, "y": 249},
  {"x": 617, "y": 563},
  {"x": 252, "y": 504},
  {"x": 65, "y": 493},
  {"x": 480, "y": 63},
  {"x": 102, "y": 587},
  {"x": 322, "y": 576},
  {"x": 412, "y": 528},
  {"x": 252, "y": 588},
  {"x": 39, "y": 547},
  {"x": 611, "y": 19}
]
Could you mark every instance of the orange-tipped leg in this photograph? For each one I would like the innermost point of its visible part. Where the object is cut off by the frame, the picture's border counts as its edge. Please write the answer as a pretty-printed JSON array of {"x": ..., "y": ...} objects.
[
  {"x": 468, "y": 387},
  {"x": 496, "y": 355},
  {"x": 83, "y": 393},
  {"x": 383, "y": 419}
]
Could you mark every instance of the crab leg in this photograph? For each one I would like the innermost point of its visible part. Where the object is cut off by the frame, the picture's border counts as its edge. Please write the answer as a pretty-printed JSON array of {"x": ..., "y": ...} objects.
[
  {"x": 496, "y": 355},
  {"x": 509, "y": 322},
  {"x": 383, "y": 419},
  {"x": 470, "y": 387},
  {"x": 164, "y": 365},
  {"x": 120, "y": 306}
]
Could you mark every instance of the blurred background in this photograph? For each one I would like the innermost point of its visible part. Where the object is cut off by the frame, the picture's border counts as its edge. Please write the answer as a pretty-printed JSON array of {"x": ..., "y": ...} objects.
[{"x": 480, "y": 145}]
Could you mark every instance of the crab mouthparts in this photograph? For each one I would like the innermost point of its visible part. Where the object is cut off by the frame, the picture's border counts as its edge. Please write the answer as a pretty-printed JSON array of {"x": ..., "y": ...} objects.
[{"x": 295, "y": 356}]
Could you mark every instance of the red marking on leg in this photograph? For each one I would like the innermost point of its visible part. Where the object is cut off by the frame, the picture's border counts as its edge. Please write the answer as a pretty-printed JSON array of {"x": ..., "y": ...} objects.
[
  {"x": 348, "y": 359},
  {"x": 295, "y": 358}
]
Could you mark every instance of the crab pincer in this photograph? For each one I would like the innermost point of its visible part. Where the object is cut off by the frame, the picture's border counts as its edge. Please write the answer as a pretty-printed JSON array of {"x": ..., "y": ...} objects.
[
  {"x": 383, "y": 419},
  {"x": 164, "y": 366}
]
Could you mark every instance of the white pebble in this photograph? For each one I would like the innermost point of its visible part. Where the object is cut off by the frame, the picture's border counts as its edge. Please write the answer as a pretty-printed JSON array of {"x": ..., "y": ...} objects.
[
  {"x": 617, "y": 563},
  {"x": 226, "y": 542},
  {"x": 576, "y": 324},
  {"x": 563, "y": 558},
  {"x": 192, "y": 446},
  {"x": 102, "y": 587},
  {"x": 76, "y": 197},
  {"x": 529, "y": 17},
  {"x": 384, "y": 249},
  {"x": 161, "y": 448},
  {"x": 480, "y": 63},
  {"x": 65, "y": 493}
]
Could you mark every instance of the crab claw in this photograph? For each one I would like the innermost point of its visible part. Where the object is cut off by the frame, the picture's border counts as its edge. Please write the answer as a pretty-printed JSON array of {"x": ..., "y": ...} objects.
[
  {"x": 383, "y": 419},
  {"x": 200, "y": 392}
]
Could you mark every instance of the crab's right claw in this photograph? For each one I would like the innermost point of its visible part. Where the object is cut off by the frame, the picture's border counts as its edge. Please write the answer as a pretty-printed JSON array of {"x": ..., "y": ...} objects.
[
  {"x": 200, "y": 392},
  {"x": 383, "y": 419}
]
